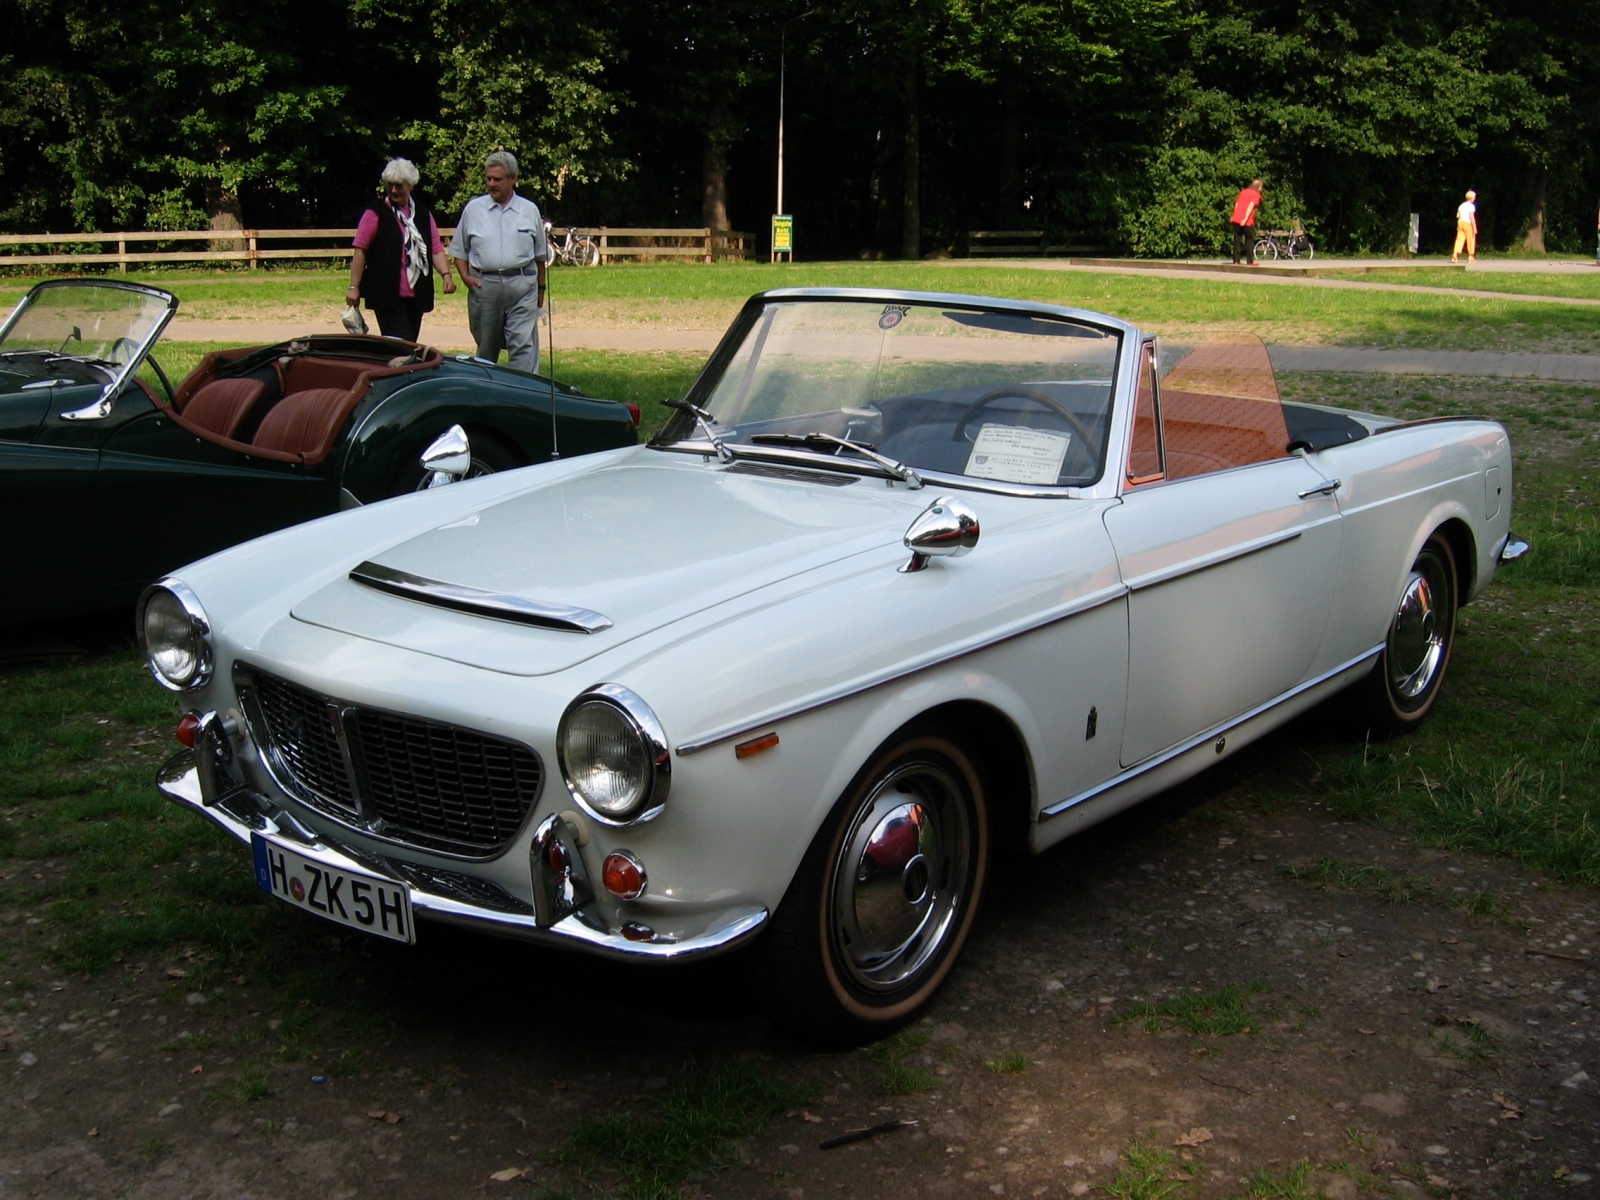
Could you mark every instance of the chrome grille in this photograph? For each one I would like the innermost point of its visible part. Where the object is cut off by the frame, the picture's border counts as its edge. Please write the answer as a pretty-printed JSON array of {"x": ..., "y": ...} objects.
[
  {"x": 419, "y": 782},
  {"x": 306, "y": 742}
]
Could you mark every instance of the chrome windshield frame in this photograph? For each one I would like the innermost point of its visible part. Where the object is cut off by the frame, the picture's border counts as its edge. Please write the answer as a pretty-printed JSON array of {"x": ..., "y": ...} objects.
[
  {"x": 1126, "y": 333},
  {"x": 101, "y": 408}
]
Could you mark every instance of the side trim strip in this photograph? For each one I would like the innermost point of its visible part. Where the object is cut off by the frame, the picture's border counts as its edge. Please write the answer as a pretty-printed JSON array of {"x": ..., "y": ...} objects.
[
  {"x": 1194, "y": 566},
  {"x": 727, "y": 733},
  {"x": 497, "y": 605},
  {"x": 1200, "y": 739}
]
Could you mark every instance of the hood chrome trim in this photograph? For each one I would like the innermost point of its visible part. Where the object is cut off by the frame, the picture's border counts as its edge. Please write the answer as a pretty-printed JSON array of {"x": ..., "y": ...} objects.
[{"x": 497, "y": 605}]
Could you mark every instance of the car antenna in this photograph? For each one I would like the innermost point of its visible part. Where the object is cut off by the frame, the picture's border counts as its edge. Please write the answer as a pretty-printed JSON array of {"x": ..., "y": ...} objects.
[{"x": 550, "y": 321}]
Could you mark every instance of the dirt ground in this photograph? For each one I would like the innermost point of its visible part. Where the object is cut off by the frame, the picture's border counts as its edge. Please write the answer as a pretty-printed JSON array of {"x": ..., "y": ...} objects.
[{"x": 1396, "y": 1048}]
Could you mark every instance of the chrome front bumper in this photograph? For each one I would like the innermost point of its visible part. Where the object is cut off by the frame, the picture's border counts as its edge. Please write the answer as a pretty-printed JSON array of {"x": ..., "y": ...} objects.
[{"x": 557, "y": 921}]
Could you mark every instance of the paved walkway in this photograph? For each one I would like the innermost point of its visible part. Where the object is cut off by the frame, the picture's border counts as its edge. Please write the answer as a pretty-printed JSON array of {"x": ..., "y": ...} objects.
[
  {"x": 1279, "y": 274},
  {"x": 1482, "y": 363}
]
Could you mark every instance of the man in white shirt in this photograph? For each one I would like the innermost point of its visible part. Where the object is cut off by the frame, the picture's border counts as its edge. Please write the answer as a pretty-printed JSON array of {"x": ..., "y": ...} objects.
[
  {"x": 500, "y": 245},
  {"x": 1467, "y": 229}
]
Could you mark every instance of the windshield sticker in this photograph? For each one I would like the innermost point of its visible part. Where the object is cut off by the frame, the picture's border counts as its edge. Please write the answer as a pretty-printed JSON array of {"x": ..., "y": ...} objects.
[
  {"x": 893, "y": 314},
  {"x": 1017, "y": 455}
]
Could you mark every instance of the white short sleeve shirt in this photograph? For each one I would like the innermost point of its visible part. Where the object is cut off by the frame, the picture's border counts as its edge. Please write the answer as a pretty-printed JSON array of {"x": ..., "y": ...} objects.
[
  {"x": 496, "y": 237},
  {"x": 1466, "y": 211}
]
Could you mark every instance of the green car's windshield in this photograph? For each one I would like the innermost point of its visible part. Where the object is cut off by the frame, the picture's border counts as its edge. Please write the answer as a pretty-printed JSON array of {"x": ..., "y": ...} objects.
[
  {"x": 98, "y": 322},
  {"x": 1008, "y": 396}
]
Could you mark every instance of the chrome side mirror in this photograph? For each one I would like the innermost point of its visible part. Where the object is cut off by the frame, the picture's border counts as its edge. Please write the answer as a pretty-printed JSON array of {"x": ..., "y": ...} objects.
[
  {"x": 448, "y": 458},
  {"x": 947, "y": 528}
]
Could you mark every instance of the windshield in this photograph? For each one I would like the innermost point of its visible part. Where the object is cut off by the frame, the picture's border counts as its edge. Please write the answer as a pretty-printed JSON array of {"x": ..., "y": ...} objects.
[
  {"x": 1012, "y": 397},
  {"x": 99, "y": 322}
]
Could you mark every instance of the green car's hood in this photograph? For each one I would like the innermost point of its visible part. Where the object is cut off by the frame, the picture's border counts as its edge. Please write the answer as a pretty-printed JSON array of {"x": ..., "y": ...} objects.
[{"x": 19, "y": 370}]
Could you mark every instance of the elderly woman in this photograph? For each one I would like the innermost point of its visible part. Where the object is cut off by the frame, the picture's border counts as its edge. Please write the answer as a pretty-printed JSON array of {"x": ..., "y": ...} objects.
[{"x": 396, "y": 242}]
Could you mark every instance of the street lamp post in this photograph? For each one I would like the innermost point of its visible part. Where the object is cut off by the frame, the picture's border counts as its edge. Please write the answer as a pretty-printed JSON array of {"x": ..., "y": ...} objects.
[{"x": 780, "y": 218}]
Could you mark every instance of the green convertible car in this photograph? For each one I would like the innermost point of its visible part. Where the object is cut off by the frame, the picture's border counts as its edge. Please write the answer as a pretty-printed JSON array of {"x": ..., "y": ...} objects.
[{"x": 110, "y": 475}]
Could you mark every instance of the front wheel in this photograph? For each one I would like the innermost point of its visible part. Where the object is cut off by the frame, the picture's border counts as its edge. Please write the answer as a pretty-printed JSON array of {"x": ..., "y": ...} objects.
[
  {"x": 586, "y": 253},
  {"x": 884, "y": 898},
  {"x": 1405, "y": 681},
  {"x": 488, "y": 457},
  {"x": 1266, "y": 248}
]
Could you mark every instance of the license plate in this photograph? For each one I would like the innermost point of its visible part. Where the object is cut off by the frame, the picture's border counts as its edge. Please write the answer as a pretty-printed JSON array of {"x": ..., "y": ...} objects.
[{"x": 370, "y": 903}]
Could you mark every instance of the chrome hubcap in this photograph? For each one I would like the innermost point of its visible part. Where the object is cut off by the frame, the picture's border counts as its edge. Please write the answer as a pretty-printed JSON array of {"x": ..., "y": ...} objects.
[
  {"x": 899, "y": 880},
  {"x": 1416, "y": 638}
]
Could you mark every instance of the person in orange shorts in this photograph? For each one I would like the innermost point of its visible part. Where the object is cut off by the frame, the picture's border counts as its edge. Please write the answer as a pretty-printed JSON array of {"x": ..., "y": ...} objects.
[{"x": 1467, "y": 229}]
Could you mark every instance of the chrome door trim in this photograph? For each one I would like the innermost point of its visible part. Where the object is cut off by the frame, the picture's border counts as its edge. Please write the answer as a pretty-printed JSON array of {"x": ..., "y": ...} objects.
[
  {"x": 1200, "y": 739},
  {"x": 728, "y": 732},
  {"x": 1194, "y": 566},
  {"x": 498, "y": 605}
]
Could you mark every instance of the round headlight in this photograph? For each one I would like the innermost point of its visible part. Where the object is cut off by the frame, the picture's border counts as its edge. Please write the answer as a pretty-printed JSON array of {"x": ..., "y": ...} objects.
[
  {"x": 175, "y": 636},
  {"x": 614, "y": 755}
]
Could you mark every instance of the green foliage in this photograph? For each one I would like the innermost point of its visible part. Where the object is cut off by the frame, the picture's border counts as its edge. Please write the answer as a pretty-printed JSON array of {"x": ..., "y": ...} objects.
[
  {"x": 1008, "y": 1064},
  {"x": 1221, "y": 1012},
  {"x": 1294, "y": 1183},
  {"x": 1147, "y": 1173},
  {"x": 693, "y": 1129},
  {"x": 901, "y": 1077}
]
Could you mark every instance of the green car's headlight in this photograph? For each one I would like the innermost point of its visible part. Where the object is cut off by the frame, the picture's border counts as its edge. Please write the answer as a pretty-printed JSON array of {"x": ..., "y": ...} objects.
[
  {"x": 614, "y": 756},
  {"x": 175, "y": 636}
]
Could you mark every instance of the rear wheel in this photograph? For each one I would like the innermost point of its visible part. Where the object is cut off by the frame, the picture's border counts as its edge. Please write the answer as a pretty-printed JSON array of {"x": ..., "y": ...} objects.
[
  {"x": 884, "y": 899},
  {"x": 586, "y": 253},
  {"x": 1405, "y": 681}
]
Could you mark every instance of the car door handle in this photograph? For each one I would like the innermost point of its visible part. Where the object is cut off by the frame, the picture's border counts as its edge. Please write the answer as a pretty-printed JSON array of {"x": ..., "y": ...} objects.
[{"x": 1326, "y": 488}]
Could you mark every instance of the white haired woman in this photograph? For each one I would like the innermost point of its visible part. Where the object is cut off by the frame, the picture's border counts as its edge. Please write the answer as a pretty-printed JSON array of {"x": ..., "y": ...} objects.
[{"x": 397, "y": 241}]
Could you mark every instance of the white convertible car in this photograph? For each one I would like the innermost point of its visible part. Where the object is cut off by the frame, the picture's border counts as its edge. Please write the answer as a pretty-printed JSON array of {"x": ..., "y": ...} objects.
[{"x": 761, "y": 682}]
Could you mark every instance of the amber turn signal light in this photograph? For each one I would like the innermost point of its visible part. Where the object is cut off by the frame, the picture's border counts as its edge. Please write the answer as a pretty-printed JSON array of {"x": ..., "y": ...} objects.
[
  {"x": 755, "y": 745},
  {"x": 623, "y": 875},
  {"x": 188, "y": 728}
]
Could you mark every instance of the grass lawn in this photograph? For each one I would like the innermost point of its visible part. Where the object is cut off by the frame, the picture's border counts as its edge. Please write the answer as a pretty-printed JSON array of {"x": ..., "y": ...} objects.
[{"x": 688, "y": 296}]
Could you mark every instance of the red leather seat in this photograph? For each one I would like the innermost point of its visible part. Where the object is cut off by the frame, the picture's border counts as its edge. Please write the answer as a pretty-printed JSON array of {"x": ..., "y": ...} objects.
[
  {"x": 307, "y": 423},
  {"x": 224, "y": 406}
]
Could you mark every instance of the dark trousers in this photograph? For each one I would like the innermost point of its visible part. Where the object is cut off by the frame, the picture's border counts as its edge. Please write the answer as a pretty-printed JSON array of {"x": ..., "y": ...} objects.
[
  {"x": 403, "y": 322},
  {"x": 1244, "y": 239}
]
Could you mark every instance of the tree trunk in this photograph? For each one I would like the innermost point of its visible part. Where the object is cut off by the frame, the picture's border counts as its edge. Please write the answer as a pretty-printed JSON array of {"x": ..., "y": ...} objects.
[
  {"x": 1534, "y": 189},
  {"x": 714, "y": 185},
  {"x": 222, "y": 205},
  {"x": 1010, "y": 212},
  {"x": 911, "y": 209}
]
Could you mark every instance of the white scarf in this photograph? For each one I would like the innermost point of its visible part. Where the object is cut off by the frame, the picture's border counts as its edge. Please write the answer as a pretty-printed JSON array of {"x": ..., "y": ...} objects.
[{"x": 414, "y": 248}]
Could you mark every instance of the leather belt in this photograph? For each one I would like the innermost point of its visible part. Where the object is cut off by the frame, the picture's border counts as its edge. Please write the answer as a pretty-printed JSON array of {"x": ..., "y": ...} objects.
[{"x": 530, "y": 270}]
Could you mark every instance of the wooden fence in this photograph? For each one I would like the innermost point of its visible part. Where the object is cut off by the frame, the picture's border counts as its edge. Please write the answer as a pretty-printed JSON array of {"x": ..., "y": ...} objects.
[{"x": 705, "y": 245}]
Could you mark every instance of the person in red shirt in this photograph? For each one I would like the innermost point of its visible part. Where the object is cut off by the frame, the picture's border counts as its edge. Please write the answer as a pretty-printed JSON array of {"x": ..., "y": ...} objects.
[{"x": 1245, "y": 209}]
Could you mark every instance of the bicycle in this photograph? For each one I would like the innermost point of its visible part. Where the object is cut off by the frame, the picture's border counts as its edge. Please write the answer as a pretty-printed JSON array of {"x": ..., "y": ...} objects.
[
  {"x": 577, "y": 250},
  {"x": 1285, "y": 243}
]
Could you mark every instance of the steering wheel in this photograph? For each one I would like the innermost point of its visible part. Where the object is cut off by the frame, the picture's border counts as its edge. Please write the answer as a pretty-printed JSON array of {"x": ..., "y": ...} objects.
[
  {"x": 133, "y": 348},
  {"x": 1022, "y": 393}
]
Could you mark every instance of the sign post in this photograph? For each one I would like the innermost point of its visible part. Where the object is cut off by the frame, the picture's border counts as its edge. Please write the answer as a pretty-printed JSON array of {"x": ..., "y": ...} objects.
[{"x": 782, "y": 236}]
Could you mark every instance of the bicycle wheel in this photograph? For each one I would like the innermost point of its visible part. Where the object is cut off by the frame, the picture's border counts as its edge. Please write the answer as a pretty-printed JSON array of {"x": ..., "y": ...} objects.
[
  {"x": 1306, "y": 247},
  {"x": 585, "y": 253},
  {"x": 1267, "y": 248}
]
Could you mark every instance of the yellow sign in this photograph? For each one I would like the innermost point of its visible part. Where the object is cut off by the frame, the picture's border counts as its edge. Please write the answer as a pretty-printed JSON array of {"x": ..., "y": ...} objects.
[{"x": 783, "y": 235}]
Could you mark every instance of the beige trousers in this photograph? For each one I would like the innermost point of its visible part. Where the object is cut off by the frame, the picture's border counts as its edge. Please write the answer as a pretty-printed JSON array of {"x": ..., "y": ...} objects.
[{"x": 1465, "y": 237}]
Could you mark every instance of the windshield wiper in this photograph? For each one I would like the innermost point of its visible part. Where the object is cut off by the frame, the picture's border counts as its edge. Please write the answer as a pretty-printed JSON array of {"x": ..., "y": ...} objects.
[
  {"x": 704, "y": 419},
  {"x": 815, "y": 440}
]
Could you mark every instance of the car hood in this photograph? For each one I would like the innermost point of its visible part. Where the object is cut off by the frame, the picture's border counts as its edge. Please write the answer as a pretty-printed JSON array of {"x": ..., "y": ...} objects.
[
  {"x": 20, "y": 370},
  {"x": 645, "y": 543}
]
